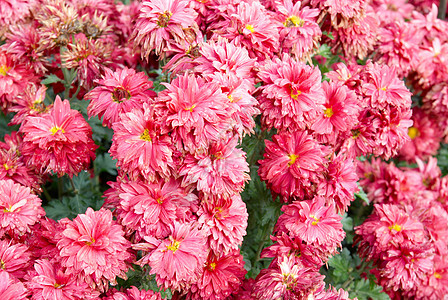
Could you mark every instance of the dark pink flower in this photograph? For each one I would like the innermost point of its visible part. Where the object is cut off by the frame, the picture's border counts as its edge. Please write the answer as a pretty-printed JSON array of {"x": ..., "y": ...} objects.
[
  {"x": 14, "y": 258},
  {"x": 11, "y": 289}
]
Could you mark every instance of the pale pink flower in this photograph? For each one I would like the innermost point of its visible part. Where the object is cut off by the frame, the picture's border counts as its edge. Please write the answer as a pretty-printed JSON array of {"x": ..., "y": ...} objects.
[
  {"x": 12, "y": 11},
  {"x": 118, "y": 92},
  {"x": 14, "y": 258},
  {"x": 11, "y": 289},
  {"x": 432, "y": 68},
  {"x": 220, "y": 170},
  {"x": 19, "y": 209},
  {"x": 93, "y": 249},
  {"x": 58, "y": 141},
  {"x": 389, "y": 11},
  {"x": 139, "y": 146},
  {"x": 225, "y": 220}
]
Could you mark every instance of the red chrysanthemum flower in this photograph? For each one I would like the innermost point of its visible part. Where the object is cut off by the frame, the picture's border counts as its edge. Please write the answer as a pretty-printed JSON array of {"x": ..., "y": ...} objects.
[
  {"x": 220, "y": 170},
  {"x": 19, "y": 209},
  {"x": 93, "y": 248},
  {"x": 58, "y": 141},
  {"x": 225, "y": 220},
  {"x": 48, "y": 281},
  {"x": 11, "y": 289},
  {"x": 14, "y": 258},
  {"x": 195, "y": 112},
  {"x": 178, "y": 260},
  {"x": 29, "y": 103},
  {"x": 291, "y": 164},
  {"x": 118, "y": 92},
  {"x": 162, "y": 24},
  {"x": 342, "y": 13},
  {"x": 222, "y": 275},
  {"x": 291, "y": 95}
]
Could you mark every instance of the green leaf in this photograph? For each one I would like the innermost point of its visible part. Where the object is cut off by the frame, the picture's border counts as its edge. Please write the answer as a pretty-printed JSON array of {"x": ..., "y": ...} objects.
[
  {"x": 4, "y": 128},
  {"x": 329, "y": 34},
  {"x": 49, "y": 79},
  {"x": 347, "y": 222},
  {"x": 362, "y": 195},
  {"x": 58, "y": 209},
  {"x": 365, "y": 290},
  {"x": 104, "y": 163},
  {"x": 343, "y": 265}
]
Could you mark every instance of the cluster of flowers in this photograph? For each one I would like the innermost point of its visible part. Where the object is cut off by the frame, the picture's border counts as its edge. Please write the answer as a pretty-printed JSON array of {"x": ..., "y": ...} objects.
[
  {"x": 406, "y": 237},
  {"x": 176, "y": 201}
]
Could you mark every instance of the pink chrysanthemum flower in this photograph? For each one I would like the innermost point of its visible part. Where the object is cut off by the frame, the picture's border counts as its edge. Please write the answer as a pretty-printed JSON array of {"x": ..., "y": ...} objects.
[
  {"x": 398, "y": 46},
  {"x": 225, "y": 220},
  {"x": 149, "y": 209},
  {"x": 286, "y": 280},
  {"x": 291, "y": 164},
  {"x": 299, "y": 32},
  {"x": 291, "y": 94},
  {"x": 161, "y": 25},
  {"x": 19, "y": 209},
  {"x": 93, "y": 248},
  {"x": 432, "y": 68},
  {"x": 14, "y": 78},
  {"x": 195, "y": 112},
  {"x": 340, "y": 183},
  {"x": 12, "y": 11},
  {"x": 313, "y": 222},
  {"x": 339, "y": 115},
  {"x": 43, "y": 241},
  {"x": 425, "y": 137},
  {"x": 222, "y": 275},
  {"x": 224, "y": 57},
  {"x": 177, "y": 260},
  {"x": 250, "y": 26},
  {"x": 48, "y": 281},
  {"x": 29, "y": 103},
  {"x": 139, "y": 147},
  {"x": 331, "y": 294},
  {"x": 118, "y": 92},
  {"x": 389, "y": 11},
  {"x": 220, "y": 170},
  {"x": 58, "y": 141},
  {"x": 14, "y": 258},
  {"x": 132, "y": 293},
  {"x": 342, "y": 13},
  {"x": 11, "y": 289},
  {"x": 428, "y": 23}
]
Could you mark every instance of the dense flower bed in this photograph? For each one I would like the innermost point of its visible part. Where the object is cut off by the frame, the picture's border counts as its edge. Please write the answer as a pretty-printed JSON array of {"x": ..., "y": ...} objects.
[{"x": 223, "y": 149}]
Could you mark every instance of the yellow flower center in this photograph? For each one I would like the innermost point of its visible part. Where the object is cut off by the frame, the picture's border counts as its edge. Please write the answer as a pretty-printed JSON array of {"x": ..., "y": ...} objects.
[
  {"x": 6, "y": 167},
  {"x": 4, "y": 69},
  {"x": 8, "y": 209},
  {"x": 250, "y": 28},
  {"x": 159, "y": 200},
  {"x": 413, "y": 132},
  {"x": 437, "y": 275},
  {"x": 383, "y": 88},
  {"x": 191, "y": 108},
  {"x": 212, "y": 266},
  {"x": 164, "y": 19},
  {"x": 395, "y": 227},
  {"x": 55, "y": 129},
  {"x": 173, "y": 246},
  {"x": 292, "y": 159},
  {"x": 316, "y": 220},
  {"x": 92, "y": 241},
  {"x": 294, "y": 21},
  {"x": 328, "y": 112},
  {"x": 295, "y": 94},
  {"x": 118, "y": 94},
  {"x": 145, "y": 136},
  {"x": 2, "y": 264},
  {"x": 355, "y": 133},
  {"x": 57, "y": 285}
]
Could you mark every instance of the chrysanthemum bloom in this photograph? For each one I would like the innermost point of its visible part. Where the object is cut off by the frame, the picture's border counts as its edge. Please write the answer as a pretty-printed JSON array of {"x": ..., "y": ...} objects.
[
  {"x": 225, "y": 57},
  {"x": 177, "y": 260},
  {"x": 11, "y": 12},
  {"x": 90, "y": 58},
  {"x": 436, "y": 285},
  {"x": 220, "y": 170},
  {"x": 428, "y": 23},
  {"x": 251, "y": 26},
  {"x": 432, "y": 68},
  {"x": 383, "y": 88},
  {"x": 225, "y": 220},
  {"x": 19, "y": 209},
  {"x": 291, "y": 95},
  {"x": 14, "y": 258},
  {"x": 93, "y": 249},
  {"x": 313, "y": 222},
  {"x": 118, "y": 92},
  {"x": 398, "y": 46},
  {"x": 23, "y": 43},
  {"x": 149, "y": 209},
  {"x": 340, "y": 182},
  {"x": 42, "y": 243},
  {"x": 11, "y": 289},
  {"x": 331, "y": 294},
  {"x": 222, "y": 275},
  {"x": 48, "y": 281},
  {"x": 132, "y": 293},
  {"x": 292, "y": 163},
  {"x": 299, "y": 32},
  {"x": 194, "y": 111},
  {"x": 241, "y": 104},
  {"x": 14, "y": 78},
  {"x": 59, "y": 141},
  {"x": 425, "y": 137},
  {"x": 359, "y": 38},
  {"x": 160, "y": 25},
  {"x": 342, "y": 13},
  {"x": 286, "y": 280},
  {"x": 389, "y": 11},
  {"x": 388, "y": 227},
  {"x": 29, "y": 103},
  {"x": 339, "y": 115},
  {"x": 139, "y": 147}
]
